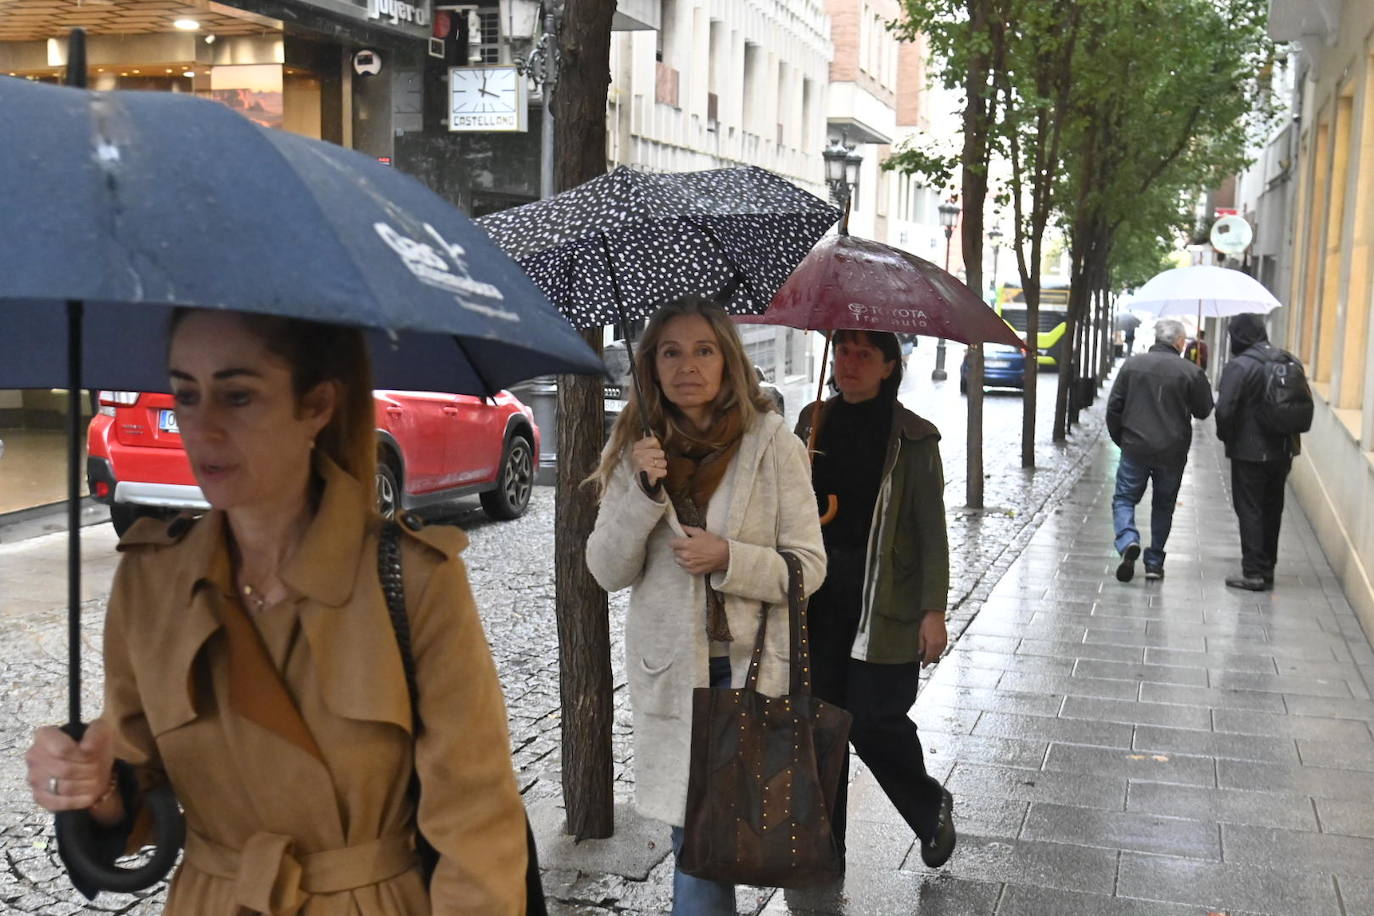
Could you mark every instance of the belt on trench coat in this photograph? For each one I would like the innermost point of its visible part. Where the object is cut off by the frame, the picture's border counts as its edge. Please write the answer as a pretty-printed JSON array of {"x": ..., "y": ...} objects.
[{"x": 270, "y": 878}]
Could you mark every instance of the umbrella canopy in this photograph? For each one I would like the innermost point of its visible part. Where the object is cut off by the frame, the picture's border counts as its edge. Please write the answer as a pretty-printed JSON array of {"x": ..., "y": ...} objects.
[
  {"x": 621, "y": 245},
  {"x": 136, "y": 202},
  {"x": 120, "y": 206},
  {"x": 1205, "y": 291},
  {"x": 1126, "y": 321},
  {"x": 858, "y": 284}
]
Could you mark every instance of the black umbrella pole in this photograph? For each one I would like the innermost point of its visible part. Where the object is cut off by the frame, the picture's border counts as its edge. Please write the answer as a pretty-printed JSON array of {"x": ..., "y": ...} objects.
[
  {"x": 76, "y": 59},
  {"x": 74, "y": 311}
]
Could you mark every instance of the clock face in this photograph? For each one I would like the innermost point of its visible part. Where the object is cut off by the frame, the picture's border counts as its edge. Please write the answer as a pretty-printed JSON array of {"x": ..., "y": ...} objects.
[{"x": 486, "y": 99}]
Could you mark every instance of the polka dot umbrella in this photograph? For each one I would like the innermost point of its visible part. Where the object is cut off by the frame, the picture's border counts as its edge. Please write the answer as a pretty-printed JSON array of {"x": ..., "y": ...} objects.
[{"x": 618, "y": 247}]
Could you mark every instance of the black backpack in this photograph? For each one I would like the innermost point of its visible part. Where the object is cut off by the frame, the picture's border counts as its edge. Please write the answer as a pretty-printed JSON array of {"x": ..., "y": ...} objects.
[{"x": 1285, "y": 405}]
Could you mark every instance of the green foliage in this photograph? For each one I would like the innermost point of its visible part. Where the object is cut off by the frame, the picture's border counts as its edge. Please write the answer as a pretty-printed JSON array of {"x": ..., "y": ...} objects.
[
  {"x": 919, "y": 155},
  {"x": 1156, "y": 100}
]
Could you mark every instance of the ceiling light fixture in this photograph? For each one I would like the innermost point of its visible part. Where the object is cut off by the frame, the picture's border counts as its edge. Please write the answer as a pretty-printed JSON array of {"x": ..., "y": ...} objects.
[
  {"x": 189, "y": 74},
  {"x": 186, "y": 25}
]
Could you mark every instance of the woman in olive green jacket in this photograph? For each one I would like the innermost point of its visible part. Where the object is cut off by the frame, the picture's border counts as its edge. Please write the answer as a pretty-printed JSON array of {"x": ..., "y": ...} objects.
[{"x": 881, "y": 612}]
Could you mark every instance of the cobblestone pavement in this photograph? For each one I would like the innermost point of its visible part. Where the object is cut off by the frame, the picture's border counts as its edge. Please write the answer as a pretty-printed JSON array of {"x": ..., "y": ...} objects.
[{"x": 512, "y": 576}]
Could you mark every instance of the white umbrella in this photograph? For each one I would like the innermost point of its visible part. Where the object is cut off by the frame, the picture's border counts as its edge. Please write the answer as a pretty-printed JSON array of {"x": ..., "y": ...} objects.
[{"x": 1205, "y": 291}]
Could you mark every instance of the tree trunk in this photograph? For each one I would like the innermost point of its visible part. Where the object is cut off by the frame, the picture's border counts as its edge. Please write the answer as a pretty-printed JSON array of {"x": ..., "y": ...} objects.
[
  {"x": 978, "y": 100},
  {"x": 584, "y": 640}
]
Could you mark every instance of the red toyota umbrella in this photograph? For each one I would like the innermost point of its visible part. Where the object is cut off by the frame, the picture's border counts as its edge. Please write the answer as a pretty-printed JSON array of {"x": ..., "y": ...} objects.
[{"x": 849, "y": 283}]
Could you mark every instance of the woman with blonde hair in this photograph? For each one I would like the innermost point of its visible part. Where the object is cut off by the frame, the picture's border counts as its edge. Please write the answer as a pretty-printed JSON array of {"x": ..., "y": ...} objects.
[
  {"x": 250, "y": 660},
  {"x": 692, "y": 519}
]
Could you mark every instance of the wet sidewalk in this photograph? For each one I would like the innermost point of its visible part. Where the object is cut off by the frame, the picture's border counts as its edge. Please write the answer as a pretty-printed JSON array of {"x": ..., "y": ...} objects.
[{"x": 1158, "y": 748}]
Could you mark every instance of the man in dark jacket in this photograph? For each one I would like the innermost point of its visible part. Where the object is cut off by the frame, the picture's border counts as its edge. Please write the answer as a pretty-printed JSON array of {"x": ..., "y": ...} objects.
[
  {"x": 1260, "y": 459},
  {"x": 1149, "y": 415}
]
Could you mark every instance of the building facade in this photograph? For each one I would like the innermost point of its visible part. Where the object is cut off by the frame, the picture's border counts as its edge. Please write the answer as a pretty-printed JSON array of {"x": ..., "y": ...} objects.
[
  {"x": 723, "y": 83},
  {"x": 1329, "y": 284}
]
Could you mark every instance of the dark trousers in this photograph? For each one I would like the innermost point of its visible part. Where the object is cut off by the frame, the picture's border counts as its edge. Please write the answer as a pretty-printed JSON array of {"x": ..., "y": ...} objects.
[
  {"x": 878, "y": 696},
  {"x": 1257, "y": 494}
]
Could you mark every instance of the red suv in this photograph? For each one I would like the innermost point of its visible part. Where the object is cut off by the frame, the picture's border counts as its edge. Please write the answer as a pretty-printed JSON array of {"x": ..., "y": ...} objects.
[{"x": 431, "y": 448}]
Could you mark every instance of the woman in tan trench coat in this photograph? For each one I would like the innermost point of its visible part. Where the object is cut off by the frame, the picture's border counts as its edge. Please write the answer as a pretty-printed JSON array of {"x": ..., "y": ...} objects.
[{"x": 250, "y": 660}]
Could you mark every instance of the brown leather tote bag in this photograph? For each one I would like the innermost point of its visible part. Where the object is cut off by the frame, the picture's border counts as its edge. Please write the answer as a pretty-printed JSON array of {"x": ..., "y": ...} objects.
[{"x": 764, "y": 773}]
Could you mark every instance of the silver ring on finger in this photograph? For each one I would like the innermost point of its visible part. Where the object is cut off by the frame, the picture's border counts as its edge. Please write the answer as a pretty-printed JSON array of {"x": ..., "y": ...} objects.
[{"x": 53, "y": 786}]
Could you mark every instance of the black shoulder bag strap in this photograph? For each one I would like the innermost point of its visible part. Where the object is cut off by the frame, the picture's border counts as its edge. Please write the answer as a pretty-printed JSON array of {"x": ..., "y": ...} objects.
[{"x": 393, "y": 587}]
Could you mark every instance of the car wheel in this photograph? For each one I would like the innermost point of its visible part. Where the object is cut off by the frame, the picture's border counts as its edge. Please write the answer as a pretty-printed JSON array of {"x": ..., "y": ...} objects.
[
  {"x": 388, "y": 491},
  {"x": 123, "y": 515},
  {"x": 963, "y": 386},
  {"x": 514, "y": 482}
]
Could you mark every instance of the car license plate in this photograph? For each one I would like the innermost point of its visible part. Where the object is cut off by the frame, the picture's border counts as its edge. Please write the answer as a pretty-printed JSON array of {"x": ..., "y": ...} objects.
[
  {"x": 997, "y": 364},
  {"x": 167, "y": 421}
]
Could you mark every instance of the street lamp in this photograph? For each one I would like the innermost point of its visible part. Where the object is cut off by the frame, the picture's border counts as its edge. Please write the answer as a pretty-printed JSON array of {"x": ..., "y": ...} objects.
[
  {"x": 949, "y": 218},
  {"x": 540, "y": 67},
  {"x": 841, "y": 174}
]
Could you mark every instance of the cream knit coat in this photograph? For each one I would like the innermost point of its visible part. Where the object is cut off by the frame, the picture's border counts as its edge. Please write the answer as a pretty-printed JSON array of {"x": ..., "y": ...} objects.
[{"x": 764, "y": 504}]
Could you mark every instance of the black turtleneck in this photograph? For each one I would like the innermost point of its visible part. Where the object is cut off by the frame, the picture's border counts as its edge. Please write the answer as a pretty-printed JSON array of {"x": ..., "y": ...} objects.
[{"x": 852, "y": 447}]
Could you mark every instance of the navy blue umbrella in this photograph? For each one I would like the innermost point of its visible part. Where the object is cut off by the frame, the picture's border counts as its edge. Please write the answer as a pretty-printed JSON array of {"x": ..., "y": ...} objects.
[
  {"x": 121, "y": 206},
  {"x": 158, "y": 199}
]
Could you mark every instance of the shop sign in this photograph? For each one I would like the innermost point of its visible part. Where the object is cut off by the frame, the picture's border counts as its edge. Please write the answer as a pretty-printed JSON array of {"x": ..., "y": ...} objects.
[{"x": 397, "y": 12}]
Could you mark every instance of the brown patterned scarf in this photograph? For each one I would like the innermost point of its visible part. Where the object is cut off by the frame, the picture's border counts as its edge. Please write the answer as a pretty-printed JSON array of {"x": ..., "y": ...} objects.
[{"x": 696, "y": 465}]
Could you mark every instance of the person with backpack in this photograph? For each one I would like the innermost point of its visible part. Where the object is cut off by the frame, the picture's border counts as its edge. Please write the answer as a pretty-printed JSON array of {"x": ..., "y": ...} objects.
[{"x": 1262, "y": 407}]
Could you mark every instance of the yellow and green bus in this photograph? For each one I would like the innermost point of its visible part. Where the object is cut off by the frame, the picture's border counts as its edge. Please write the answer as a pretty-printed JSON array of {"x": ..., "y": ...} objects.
[{"x": 1054, "y": 309}]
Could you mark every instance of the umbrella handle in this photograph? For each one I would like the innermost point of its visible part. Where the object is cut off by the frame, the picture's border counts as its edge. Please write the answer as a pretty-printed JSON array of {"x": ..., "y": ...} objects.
[
  {"x": 78, "y": 840},
  {"x": 832, "y": 508}
]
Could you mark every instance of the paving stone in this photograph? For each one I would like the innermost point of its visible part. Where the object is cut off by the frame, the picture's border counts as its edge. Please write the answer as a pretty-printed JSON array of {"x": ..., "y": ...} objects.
[
  {"x": 1338, "y": 816},
  {"x": 1023, "y": 900},
  {"x": 1101, "y": 761},
  {"x": 1297, "y": 851},
  {"x": 1280, "y": 683},
  {"x": 1020, "y": 664},
  {"x": 1160, "y": 674},
  {"x": 1319, "y": 782},
  {"x": 1137, "y": 713},
  {"x": 1330, "y": 707},
  {"x": 1060, "y": 865},
  {"x": 1248, "y": 722},
  {"x": 1212, "y": 697},
  {"x": 1171, "y": 626},
  {"x": 1009, "y": 752},
  {"x": 1104, "y": 636},
  {"x": 1035, "y": 785},
  {"x": 1346, "y": 755},
  {"x": 957, "y": 675},
  {"x": 1235, "y": 661},
  {"x": 1061, "y": 685},
  {"x": 1077, "y": 650},
  {"x": 1234, "y": 806},
  {"x": 1000, "y": 700},
  {"x": 1076, "y": 731},
  {"x": 1153, "y": 738},
  {"x": 948, "y": 719},
  {"x": 866, "y": 892},
  {"x": 1356, "y": 893},
  {"x": 1224, "y": 887},
  {"x": 1310, "y": 652},
  {"x": 1123, "y": 830}
]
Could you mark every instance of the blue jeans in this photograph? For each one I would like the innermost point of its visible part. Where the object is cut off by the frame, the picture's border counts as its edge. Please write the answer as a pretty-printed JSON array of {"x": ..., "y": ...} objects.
[
  {"x": 1131, "y": 478},
  {"x": 697, "y": 896}
]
